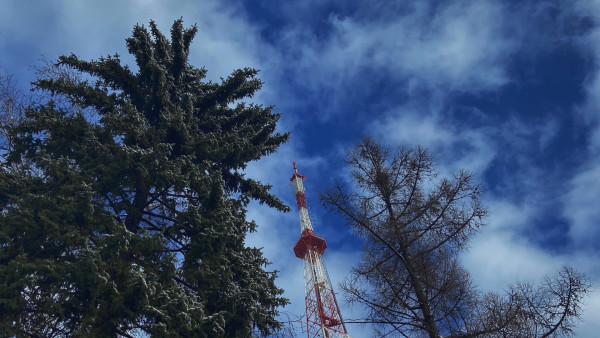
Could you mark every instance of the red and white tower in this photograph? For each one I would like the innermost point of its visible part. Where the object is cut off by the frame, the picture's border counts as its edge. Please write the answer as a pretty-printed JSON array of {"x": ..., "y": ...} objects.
[{"x": 323, "y": 317}]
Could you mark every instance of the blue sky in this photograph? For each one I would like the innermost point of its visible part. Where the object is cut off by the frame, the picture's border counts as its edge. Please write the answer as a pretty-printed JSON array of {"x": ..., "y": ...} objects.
[{"x": 509, "y": 90}]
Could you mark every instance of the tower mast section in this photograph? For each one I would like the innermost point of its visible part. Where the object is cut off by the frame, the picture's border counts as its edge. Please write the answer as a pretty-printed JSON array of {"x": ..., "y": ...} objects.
[{"x": 323, "y": 317}]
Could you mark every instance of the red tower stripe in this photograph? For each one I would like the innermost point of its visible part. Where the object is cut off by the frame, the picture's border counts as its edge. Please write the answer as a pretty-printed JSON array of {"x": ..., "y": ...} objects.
[{"x": 300, "y": 200}]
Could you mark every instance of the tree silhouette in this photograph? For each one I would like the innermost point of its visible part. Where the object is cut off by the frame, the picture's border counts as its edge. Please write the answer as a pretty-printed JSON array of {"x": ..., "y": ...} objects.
[
  {"x": 129, "y": 213},
  {"x": 414, "y": 225}
]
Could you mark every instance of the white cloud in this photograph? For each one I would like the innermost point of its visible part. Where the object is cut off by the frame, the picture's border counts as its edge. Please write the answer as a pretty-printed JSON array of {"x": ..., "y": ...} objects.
[
  {"x": 588, "y": 110},
  {"x": 498, "y": 259},
  {"x": 591, "y": 312},
  {"x": 580, "y": 202},
  {"x": 225, "y": 40},
  {"x": 460, "y": 47},
  {"x": 409, "y": 127},
  {"x": 498, "y": 256},
  {"x": 455, "y": 147},
  {"x": 581, "y": 207}
]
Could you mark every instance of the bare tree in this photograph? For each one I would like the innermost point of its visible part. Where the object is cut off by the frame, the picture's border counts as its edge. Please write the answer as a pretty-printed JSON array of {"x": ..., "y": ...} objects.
[
  {"x": 12, "y": 108},
  {"x": 292, "y": 326},
  {"x": 409, "y": 277},
  {"x": 14, "y": 103}
]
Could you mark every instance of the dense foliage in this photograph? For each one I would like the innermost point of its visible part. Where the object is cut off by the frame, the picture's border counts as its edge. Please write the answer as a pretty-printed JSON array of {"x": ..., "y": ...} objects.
[
  {"x": 123, "y": 202},
  {"x": 410, "y": 279}
]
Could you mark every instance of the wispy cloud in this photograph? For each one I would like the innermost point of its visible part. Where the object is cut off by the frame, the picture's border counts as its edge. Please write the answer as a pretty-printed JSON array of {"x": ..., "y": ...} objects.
[
  {"x": 581, "y": 207},
  {"x": 452, "y": 47},
  {"x": 455, "y": 147},
  {"x": 580, "y": 202}
]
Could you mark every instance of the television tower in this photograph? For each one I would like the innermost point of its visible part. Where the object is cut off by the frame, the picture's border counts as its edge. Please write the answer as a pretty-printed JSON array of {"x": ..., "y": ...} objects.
[{"x": 323, "y": 317}]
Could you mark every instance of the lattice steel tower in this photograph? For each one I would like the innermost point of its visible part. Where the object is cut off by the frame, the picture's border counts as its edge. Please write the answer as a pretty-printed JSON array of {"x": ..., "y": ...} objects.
[{"x": 323, "y": 317}]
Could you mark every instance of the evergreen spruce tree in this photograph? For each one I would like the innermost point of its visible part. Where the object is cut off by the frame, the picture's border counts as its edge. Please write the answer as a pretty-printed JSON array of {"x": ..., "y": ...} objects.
[{"x": 128, "y": 212}]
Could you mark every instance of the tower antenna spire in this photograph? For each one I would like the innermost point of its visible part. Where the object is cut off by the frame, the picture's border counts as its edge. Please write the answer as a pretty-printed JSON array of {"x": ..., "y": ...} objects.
[{"x": 323, "y": 317}]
